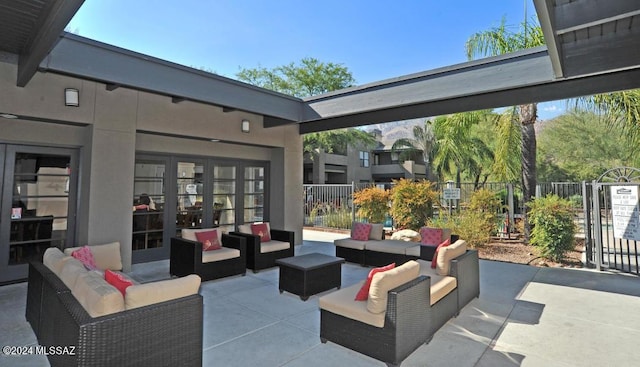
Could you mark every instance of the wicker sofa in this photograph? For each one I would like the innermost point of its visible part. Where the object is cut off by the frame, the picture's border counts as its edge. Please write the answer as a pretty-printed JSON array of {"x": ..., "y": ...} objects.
[
  {"x": 157, "y": 323},
  {"x": 263, "y": 255},
  {"x": 415, "y": 309},
  {"x": 187, "y": 256},
  {"x": 377, "y": 251}
]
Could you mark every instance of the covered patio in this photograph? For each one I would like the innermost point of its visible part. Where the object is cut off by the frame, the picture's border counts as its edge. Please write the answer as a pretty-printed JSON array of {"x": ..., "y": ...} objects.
[{"x": 525, "y": 316}]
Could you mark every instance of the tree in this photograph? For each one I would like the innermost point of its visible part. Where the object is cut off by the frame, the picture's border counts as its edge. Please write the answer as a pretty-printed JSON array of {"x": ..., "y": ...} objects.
[
  {"x": 501, "y": 40},
  {"x": 422, "y": 143},
  {"x": 581, "y": 145},
  {"x": 619, "y": 108},
  {"x": 457, "y": 149},
  {"x": 309, "y": 78},
  {"x": 336, "y": 141}
]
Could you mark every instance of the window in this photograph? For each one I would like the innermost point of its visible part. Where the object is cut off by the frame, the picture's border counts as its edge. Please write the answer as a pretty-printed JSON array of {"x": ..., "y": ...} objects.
[{"x": 364, "y": 159}]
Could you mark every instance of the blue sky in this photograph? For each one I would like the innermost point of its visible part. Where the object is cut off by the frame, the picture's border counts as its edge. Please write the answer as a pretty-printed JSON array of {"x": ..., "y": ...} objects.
[{"x": 375, "y": 40}]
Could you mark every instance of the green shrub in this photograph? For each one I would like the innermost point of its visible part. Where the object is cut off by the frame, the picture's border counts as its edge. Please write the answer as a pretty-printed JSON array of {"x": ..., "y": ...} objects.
[
  {"x": 340, "y": 218},
  {"x": 471, "y": 226},
  {"x": 553, "y": 228},
  {"x": 373, "y": 204},
  {"x": 486, "y": 205},
  {"x": 412, "y": 203}
]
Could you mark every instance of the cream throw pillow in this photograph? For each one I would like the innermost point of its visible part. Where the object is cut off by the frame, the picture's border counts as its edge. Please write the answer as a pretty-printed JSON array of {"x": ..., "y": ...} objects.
[{"x": 383, "y": 282}]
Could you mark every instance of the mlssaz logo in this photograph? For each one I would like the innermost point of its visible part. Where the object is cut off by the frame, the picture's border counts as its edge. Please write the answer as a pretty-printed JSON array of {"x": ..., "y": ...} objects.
[{"x": 623, "y": 191}]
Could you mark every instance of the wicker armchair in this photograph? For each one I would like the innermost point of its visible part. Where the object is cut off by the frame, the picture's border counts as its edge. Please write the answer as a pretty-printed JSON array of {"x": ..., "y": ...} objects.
[
  {"x": 408, "y": 324},
  {"x": 186, "y": 258},
  {"x": 257, "y": 257}
]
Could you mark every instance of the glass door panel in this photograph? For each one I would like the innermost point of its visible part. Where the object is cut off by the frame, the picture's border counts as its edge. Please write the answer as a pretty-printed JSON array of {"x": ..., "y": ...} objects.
[
  {"x": 148, "y": 204},
  {"x": 224, "y": 195},
  {"x": 190, "y": 184},
  {"x": 37, "y": 201},
  {"x": 40, "y": 204},
  {"x": 254, "y": 181}
]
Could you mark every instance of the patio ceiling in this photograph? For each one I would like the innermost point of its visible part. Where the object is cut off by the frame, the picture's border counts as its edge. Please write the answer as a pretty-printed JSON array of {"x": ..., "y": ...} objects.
[
  {"x": 593, "y": 46},
  {"x": 30, "y": 29}
]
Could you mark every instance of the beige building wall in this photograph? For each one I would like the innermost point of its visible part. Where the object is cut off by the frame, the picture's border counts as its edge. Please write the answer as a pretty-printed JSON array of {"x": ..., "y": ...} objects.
[{"x": 108, "y": 128}]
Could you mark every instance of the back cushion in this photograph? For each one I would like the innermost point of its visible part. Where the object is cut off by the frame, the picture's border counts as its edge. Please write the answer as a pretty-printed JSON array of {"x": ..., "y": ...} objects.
[
  {"x": 164, "y": 290},
  {"x": 98, "y": 297},
  {"x": 246, "y": 228},
  {"x": 70, "y": 272},
  {"x": 383, "y": 282},
  {"x": 190, "y": 234},
  {"x": 376, "y": 231},
  {"x": 54, "y": 259},
  {"x": 106, "y": 256},
  {"x": 446, "y": 254}
]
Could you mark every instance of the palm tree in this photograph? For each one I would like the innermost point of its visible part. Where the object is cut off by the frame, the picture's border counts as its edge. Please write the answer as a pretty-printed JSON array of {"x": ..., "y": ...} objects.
[
  {"x": 501, "y": 40},
  {"x": 421, "y": 144},
  {"x": 619, "y": 108},
  {"x": 457, "y": 150}
]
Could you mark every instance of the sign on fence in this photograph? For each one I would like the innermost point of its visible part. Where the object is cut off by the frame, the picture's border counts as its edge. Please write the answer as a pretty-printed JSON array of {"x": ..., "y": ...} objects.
[
  {"x": 626, "y": 212},
  {"x": 451, "y": 193}
]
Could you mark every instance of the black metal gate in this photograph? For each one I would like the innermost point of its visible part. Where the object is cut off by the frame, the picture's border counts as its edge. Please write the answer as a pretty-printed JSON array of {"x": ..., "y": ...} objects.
[{"x": 612, "y": 212}]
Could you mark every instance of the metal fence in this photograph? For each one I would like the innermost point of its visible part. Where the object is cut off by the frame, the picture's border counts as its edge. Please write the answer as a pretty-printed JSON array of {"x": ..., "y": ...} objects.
[{"x": 331, "y": 205}]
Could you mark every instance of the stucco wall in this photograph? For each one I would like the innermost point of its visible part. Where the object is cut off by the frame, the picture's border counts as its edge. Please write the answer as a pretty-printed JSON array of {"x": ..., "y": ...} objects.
[{"x": 108, "y": 137}]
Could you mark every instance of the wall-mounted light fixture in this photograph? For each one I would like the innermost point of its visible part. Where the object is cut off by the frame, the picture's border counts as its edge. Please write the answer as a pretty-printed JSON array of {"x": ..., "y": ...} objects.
[
  {"x": 71, "y": 97},
  {"x": 245, "y": 126}
]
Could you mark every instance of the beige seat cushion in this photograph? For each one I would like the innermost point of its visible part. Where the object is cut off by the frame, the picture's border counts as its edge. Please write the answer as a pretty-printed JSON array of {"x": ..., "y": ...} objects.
[
  {"x": 273, "y": 245},
  {"x": 448, "y": 253},
  {"x": 389, "y": 246},
  {"x": 106, "y": 256},
  {"x": 342, "y": 303},
  {"x": 190, "y": 234},
  {"x": 71, "y": 270},
  {"x": 54, "y": 259},
  {"x": 441, "y": 285},
  {"x": 164, "y": 290},
  {"x": 349, "y": 243},
  {"x": 383, "y": 282},
  {"x": 98, "y": 297},
  {"x": 221, "y": 254},
  {"x": 413, "y": 251}
]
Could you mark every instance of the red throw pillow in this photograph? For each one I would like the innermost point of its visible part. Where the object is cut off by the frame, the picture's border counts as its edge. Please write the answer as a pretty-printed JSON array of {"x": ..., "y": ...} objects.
[
  {"x": 434, "y": 261},
  {"x": 430, "y": 236},
  {"x": 360, "y": 231},
  {"x": 209, "y": 240},
  {"x": 117, "y": 280},
  {"x": 85, "y": 256},
  {"x": 261, "y": 230},
  {"x": 363, "y": 293}
]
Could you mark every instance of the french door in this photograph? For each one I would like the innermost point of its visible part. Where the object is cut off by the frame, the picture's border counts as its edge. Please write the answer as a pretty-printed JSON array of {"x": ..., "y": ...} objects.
[
  {"x": 37, "y": 203},
  {"x": 192, "y": 192}
]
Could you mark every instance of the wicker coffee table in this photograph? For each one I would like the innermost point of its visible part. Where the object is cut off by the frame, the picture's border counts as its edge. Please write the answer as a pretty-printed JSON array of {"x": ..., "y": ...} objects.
[{"x": 306, "y": 275}]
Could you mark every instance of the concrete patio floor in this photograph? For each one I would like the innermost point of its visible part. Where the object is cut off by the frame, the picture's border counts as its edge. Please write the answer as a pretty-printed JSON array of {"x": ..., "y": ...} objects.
[{"x": 525, "y": 316}]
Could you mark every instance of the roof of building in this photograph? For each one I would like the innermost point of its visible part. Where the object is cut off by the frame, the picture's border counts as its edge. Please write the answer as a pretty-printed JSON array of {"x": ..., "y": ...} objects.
[{"x": 592, "y": 47}]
